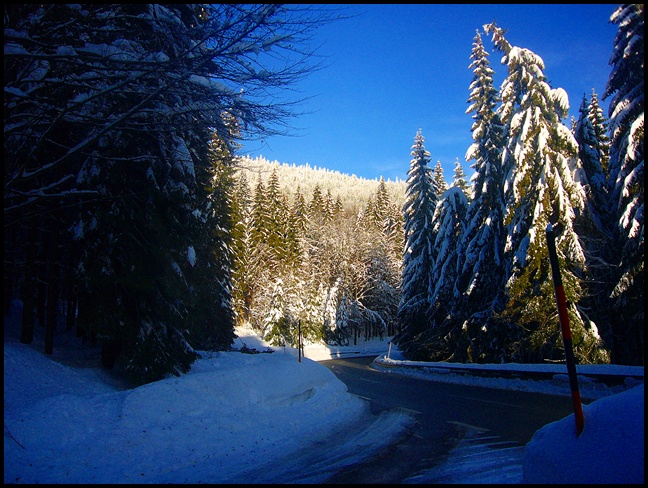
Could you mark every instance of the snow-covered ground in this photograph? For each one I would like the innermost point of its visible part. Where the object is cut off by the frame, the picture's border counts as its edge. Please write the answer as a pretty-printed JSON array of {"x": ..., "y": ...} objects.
[{"x": 264, "y": 418}]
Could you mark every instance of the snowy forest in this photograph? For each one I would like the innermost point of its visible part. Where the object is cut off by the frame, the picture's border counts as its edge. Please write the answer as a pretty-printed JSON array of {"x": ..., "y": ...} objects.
[{"x": 131, "y": 218}]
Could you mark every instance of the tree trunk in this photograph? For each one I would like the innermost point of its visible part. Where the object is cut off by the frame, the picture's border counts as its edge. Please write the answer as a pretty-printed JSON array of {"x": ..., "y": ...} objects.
[
  {"x": 52, "y": 292},
  {"x": 28, "y": 291}
]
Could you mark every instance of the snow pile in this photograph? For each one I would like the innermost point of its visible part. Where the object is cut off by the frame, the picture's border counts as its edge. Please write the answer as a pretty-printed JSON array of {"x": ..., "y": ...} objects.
[
  {"x": 609, "y": 450},
  {"x": 260, "y": 418},
  {"x": 232, "y": 415}
]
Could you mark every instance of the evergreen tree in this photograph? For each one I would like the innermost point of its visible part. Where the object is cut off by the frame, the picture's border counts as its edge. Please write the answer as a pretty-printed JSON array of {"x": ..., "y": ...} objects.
[
  {"x": 260, "y": 212},
  {"x": 378, "y": 209},
  {"x": 337, "y": 206},
  {"x": 600, "y": 126},
  {"x": 300, "y": 228},
  {"x": 419, "y": 258},
  {"x": 459, "y": 179},
  {"x": 243, "y": 250},
  {"x": 261, "y": 226},
  {"x": 593, "y": 224},
  {"x": 210, "y": 261},
  {"x": 316, "y": 206},
  {"x": 329, "y": 207},
  {"x": 449, "y": 225},
  {"x": 300, "y": 210},
  {"x": 626, "y": 179},
  {"x": 481, "y": 247},
  {"x": 280, "y": 231},
  {"x": 382, "y": 257},
  {"x": 383, "y": 202},
  {"x": 290, "y": 250},
  {"x": 591, "y": 158},
  {"x": 540, "y": 160},
  {"x": 439, "y": 179}
]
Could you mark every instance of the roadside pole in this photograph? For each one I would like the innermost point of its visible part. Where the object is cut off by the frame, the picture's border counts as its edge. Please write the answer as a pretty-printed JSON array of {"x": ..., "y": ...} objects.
[
  {"x": 566, "y": 332},
  {"x": 299, "y": 340}
]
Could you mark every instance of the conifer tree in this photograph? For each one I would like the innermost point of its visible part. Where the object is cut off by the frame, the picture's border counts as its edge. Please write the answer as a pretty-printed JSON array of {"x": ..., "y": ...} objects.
[
  {"x": 593, "y": 224},
  {"x": 243, "y": 250},
  {"x": 625, "y": 86},
  {"x": 300, "y": 209},
  {"x": 316, "y": 206},
  {"x": 291, "y": 238},
  {"x": 329, "y": 206},
  {"x": 260, "y": 212},
  {"x": 383, "y": 201},
  {"x": 418, "y": 258},
  {"x": 480, "y": 277},
  {"x": 439, "y": 179},
  {"x": 277, "y": 221},
  {"x": 382, "y": 261},
  {"x": 459, "y": 179},
  {"x": 449, "y": 225},
  {"x": 377, "y": 209},
  {"x": 211, "y": 258},
  {"x": 591, "y": 158},
  {"x": 300, "y": 221},
  {"x": 600, "y": 125},
  {"x": 337, "y": 206},
  {"x": 540, "y": 159}
]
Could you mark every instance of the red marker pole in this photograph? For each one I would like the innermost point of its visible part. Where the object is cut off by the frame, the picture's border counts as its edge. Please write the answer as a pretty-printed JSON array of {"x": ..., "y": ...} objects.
[
  {"x": 299, "y": 340},
  {"x": 566, "y": 332}
]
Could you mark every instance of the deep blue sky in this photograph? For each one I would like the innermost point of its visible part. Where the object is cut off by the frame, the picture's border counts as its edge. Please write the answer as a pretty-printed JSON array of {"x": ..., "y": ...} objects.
[{"x": 393, "y": 69}]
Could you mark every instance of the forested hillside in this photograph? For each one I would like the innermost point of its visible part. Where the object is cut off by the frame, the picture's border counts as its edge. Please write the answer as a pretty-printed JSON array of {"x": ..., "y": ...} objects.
[
  {"x": 354, "y": 192},
  {"x": 317, "y": 251}
]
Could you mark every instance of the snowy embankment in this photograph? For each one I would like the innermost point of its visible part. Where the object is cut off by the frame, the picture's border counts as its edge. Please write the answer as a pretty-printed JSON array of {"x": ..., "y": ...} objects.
[
  {"x": 233, "y": 418},
  {"x": 258, "y": 418}
]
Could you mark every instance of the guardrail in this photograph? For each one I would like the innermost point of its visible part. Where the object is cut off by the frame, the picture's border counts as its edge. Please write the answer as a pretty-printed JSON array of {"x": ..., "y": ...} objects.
[{"x": 610, "y": 375}]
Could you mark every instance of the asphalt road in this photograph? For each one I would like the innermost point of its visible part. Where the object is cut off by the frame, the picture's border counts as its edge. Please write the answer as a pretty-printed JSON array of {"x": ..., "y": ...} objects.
[{"x": 444, "y": 414}]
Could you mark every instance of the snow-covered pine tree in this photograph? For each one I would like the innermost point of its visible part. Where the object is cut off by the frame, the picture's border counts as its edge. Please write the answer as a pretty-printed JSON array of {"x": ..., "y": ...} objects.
[
  {"x": 242, "y": 250},
  {"x": 210, "y": 259},
  {"x": 300, "y": 210},
  {"x": 279, "y": 322},
  {"x": 480, "y": 278},
  {"x": 379, "y": 223},
  {"x": 281, "y": 238},
  {"x": 382, "y": 294},
  {"x": 260, "y": 212},
  {"x": 418, "y": 257},
  {"x": 626, "y": 179},
  {"x": 601, "y": 132},
  {"x": 540, "y": 162},
  {"x": 459, "y": 179},
  {"x": 329, "y": 206},
  {"x": 593, "y": 225},
  {"x": 591, "y": 157},
  {"x": 316, "y": 205},
  {"x": 444, "y": 314},
  {"x": 439, "y": 179}
]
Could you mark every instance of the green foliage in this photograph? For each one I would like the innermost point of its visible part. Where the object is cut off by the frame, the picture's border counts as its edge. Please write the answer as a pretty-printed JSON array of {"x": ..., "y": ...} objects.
[
  {"x": 155, "y": 352},
  {"x": 325, "y": 251}
]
